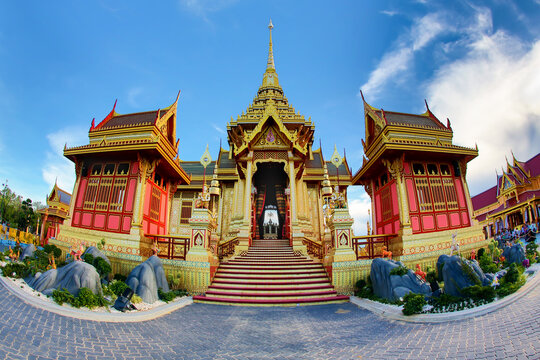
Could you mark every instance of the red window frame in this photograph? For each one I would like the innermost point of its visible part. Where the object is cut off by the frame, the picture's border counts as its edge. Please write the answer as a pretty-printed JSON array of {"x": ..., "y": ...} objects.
[
  {"x": 100, "y": 191},
  {"x": 439, "y": 187}
]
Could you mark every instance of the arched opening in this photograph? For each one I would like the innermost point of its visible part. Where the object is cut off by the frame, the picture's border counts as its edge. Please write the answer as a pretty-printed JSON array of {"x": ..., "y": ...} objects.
[{"x": 270, "y": 204}]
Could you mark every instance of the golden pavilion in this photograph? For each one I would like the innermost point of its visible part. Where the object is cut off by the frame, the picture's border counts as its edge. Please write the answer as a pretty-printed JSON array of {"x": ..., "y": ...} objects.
[{"x": 267, "y": 222}]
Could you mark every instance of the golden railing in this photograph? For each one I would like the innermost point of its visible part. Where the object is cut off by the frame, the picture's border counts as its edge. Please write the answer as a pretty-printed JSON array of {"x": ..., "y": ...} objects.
[
  {"x": 227, "y": 248},
  {"x": 371, "y": 246},
  {"x": 18, "y": 236},
  {"x": 172, "y": 247},
  {"x": 313, "y": 248}
]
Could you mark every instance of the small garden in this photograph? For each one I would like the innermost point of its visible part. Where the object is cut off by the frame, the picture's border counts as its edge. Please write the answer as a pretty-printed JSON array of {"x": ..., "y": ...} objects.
[
  {"x": 24, "y": 272},
  {"x": 489, "y": 276}
]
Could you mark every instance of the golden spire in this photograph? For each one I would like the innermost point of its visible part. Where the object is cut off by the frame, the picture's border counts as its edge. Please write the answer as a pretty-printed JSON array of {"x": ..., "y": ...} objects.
[
  {"x": 270, "y": 64},
  {"x": 270, "y": 77}
]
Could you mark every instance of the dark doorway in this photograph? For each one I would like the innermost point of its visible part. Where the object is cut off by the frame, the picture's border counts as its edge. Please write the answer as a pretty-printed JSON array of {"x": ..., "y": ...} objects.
[{"x": 270, "y": 180}]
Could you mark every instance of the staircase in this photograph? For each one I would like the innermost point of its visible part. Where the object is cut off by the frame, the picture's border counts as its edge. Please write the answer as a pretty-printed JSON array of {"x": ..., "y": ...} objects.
[{"x": 270, "y": 274}]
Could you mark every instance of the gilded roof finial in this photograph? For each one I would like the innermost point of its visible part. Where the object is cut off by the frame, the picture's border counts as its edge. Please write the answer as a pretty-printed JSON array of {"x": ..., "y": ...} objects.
[
  {"x": 270, "y": 78},
  {"x": 270, "y": 64}
]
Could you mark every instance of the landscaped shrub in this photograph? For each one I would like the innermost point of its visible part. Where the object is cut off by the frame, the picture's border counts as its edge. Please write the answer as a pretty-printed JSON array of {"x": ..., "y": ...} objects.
[
  {"x": 360, "y": 284},
  {"x": 102, "y": 266},
  {"x": 88, "y": 258},
  {"x": 487, "y": 265},
  {"x": 512, "y": 275},
  {"x": 413, "y": 303},
  {"x": 531, "y": 253},
  {"x": 400, "y": 270},
  {"x": 85, "y": 298},
  {"x": 481, "y": 252},
  {"x": 477, "y": 292},
  {"x": 510, "y": 288},
  {"x": 136, "y": 299},
  {"x": 117, "y": 287},
  {"x": 120, "y": 277},
  {"x": 62, "y": 296},
  {"x": 166, "y": 296},
  {"x": 56, "y": 251},
  {"x": 38, "y": 262},
  {"x": 171, "y": 295},
  {"x": 445, "y": 300},
  {"x": 16, "y": 270}
]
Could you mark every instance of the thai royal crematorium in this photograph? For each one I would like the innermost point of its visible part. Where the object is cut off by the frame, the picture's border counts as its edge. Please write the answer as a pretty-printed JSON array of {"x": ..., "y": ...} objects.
[{"x": 266, "y": 221}]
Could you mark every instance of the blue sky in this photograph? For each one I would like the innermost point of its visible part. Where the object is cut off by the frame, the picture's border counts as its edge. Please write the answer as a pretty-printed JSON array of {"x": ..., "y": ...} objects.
[{"x": 63, "y": 63}]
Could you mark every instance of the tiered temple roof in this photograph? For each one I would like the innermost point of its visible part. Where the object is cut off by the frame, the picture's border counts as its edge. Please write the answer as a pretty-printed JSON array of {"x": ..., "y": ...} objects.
[
  {"x": 388, "y": 134},
  {"x": 514, "y": 186},
  {"x": 151, "y": 132}
]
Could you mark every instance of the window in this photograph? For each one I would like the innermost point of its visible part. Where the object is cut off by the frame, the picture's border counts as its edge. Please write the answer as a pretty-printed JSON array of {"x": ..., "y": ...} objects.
[
  {"x": 424, "y": 196},
  {"x": 445, "y": 170},
  {"x": 418, "y": 169},
  {"x": 432, "y": 169},
  {"x": 384, "y": 179},
  {"x": 123, "y": 169},
  {"x": 96, "y": 170},
  {"x": 109, "y": 170},
  {"x": 155, "y": 201},
  {"x": 185, "y": 215}
]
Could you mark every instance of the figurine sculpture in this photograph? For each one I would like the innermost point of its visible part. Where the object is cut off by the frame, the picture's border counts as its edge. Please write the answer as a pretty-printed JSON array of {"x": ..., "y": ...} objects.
[
  {"x": 12, "y": 255},
  {"x": 420, "y": 273},
  {"x": 155, "y": 249},
  {"x": 455, "y": 245},
  {"x": 473, "y": 254},
  {"x": 386, "y": 253},
  {"x": 77, "y": 253},
  {"x": 52, "y": 263}
]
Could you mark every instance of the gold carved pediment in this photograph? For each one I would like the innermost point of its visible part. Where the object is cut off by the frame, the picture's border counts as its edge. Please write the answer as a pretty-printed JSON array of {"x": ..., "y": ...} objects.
[{"x": 271, "y": 138}]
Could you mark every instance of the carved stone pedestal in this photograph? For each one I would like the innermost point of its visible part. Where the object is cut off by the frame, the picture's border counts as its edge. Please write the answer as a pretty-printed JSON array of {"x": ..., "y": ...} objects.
[{"x": 199, "y": 247}]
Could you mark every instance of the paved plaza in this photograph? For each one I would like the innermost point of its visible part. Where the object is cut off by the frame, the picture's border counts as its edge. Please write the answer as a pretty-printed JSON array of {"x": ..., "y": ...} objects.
[{"x": 200, "y": 331}]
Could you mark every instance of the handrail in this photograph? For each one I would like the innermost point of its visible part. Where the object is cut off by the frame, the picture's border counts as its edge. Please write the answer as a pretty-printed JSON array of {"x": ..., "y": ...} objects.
[
  {"x": 372, "y": 245},
  {"x": 227, "y": 248},
  {"x": 313, "y": 248},
  {"x": 174, "y": 247}
]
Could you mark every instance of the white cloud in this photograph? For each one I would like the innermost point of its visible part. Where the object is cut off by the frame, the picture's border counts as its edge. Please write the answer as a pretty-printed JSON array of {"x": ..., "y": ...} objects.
[
  {"x": 399, "y": 60},
  {"x": 391, "y": 12},
  {"x": 57, "y": 167},
  {"x": 359, "y": 204},
  {"x": 218, "y": 129},
  {"x": 492, "y": 98}
]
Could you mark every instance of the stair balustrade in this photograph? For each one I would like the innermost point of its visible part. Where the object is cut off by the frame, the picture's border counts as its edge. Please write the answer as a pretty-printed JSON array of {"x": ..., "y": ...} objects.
[
  {"x": 370, "y": 246},
  {"x": 313, "y": 248},
  {"x": 172, "y": 247},
  {"x": 227, "y": 248}
]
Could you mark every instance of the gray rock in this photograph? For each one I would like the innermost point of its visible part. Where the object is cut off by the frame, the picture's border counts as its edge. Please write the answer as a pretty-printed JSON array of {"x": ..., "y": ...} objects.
[
  {"x": 459, "y": 273},
  {"x": 72, "y": 277},
  {"x": 393, "y": 287},
  {"x": 27, "y": 252},
  {"x": 95, "y": 252},
  {"x": 514, "y": 254},
  {"x": 147, "y": 278}
]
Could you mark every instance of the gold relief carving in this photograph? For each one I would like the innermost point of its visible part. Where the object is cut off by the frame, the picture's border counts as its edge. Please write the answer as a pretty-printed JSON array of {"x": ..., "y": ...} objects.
[
  {"x": 463, "y": 167},
  {"x": 78, "y": 168},
  {"x": 395, "y": 167}
]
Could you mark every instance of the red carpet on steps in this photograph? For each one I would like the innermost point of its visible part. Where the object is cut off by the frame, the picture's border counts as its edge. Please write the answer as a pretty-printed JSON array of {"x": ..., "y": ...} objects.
[{"x": 270, "y": 274}]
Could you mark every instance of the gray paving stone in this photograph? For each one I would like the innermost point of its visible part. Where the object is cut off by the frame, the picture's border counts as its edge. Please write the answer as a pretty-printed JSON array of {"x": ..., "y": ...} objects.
[{"x": 203, "y": 331}]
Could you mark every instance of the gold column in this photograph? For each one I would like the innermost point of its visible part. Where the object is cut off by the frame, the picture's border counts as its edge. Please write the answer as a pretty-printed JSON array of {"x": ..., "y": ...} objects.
[{"x": 247, "y": 190}]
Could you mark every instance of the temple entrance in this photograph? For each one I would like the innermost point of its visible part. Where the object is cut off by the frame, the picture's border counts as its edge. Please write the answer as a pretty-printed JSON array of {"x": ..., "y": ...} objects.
[{"x": 270, "y": 205}]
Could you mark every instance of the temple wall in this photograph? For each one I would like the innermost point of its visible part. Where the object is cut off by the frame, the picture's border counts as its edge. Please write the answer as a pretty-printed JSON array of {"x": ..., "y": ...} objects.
[{"x": 423, "y": 249}]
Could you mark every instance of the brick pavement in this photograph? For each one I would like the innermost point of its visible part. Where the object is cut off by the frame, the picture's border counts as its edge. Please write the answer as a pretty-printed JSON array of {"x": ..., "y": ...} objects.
[{"x": 200, "y": 331}]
